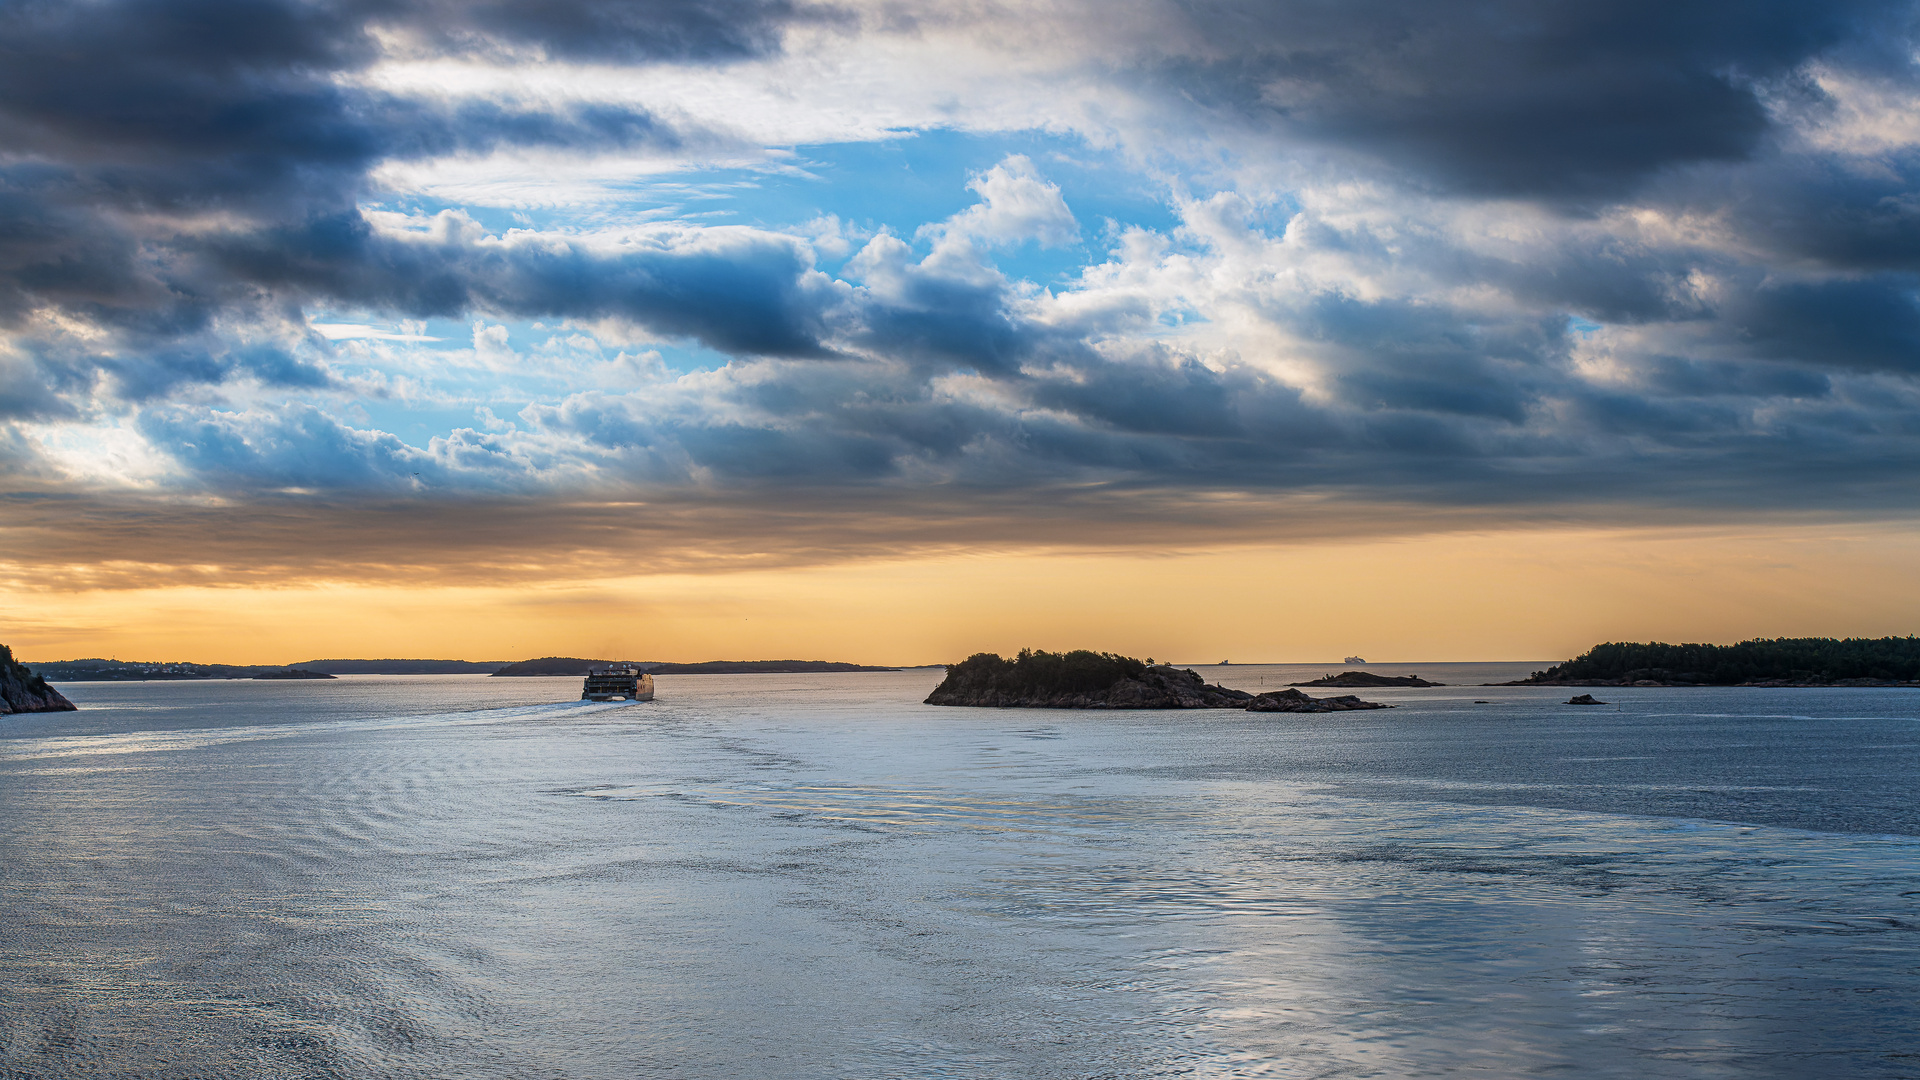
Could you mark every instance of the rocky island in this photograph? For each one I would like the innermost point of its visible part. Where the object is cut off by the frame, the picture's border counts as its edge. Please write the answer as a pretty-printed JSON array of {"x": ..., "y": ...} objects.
[
  {"x": 21, "y": 691},
  {"x": 1359, "y": 679},
  {"x": 1890, "y": 661},
  {"x": 1082, "y": 679}
]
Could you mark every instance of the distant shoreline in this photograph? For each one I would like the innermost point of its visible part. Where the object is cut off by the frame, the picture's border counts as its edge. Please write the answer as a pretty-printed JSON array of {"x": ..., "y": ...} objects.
[{"x": 106, "y": 670}]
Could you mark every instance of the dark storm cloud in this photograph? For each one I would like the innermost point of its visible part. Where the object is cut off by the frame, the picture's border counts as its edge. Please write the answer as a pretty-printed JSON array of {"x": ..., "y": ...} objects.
[
  {"x": 1684, "y": 377},
  {"x": 1835, "y": 210},
  {"x": 1515, "y": 97},
  {"x": 597, "y": 29},
  {"x": 738, "y": 291},
  {"x": 1868, "y": 324},
  {"x": 1401, "y": 355},
  {"x": 129, "y": 125}
]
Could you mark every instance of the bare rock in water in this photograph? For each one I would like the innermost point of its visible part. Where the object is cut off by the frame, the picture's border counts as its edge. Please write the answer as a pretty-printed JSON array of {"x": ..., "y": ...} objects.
[
  {"x": 21, "y": 691},
  {"x": 1584, "y": 699},
  {"x": 1295, "y": 701}
]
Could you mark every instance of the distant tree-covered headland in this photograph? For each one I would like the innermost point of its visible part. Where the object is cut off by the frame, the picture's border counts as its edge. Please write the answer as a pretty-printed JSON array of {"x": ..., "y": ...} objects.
[
  {"x": 98, "y": 670},
  {"x": 1760, "y": 662}
]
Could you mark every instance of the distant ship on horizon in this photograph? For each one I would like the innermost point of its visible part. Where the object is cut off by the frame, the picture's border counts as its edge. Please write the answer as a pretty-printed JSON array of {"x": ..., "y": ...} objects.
[
  {"x": 1354, "y": 660},
  {"x": 618, "y": 683}
]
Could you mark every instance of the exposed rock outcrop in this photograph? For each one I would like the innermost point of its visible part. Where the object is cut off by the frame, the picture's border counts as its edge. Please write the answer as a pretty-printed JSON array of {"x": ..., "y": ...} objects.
[
  {"x": 1359, "y": 679},
  {"x": 1584, "y": 699},
  {"x": 1295, "y": 701},
  {"x": 21, "y": 691}
]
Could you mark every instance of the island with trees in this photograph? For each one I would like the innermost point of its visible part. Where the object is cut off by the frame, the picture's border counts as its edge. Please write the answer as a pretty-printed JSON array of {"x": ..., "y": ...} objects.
[
  {"x": 1888, "y": 661},
  {"x": 1082, "y": 679}
]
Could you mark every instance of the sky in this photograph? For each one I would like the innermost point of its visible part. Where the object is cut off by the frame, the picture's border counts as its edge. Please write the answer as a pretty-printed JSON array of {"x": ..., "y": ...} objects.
[{"x": 891, "y": 332}]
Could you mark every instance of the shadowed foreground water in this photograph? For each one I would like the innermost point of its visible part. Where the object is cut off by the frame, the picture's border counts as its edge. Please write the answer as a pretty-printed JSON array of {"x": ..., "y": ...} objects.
[{"x": 814, "y": 876}]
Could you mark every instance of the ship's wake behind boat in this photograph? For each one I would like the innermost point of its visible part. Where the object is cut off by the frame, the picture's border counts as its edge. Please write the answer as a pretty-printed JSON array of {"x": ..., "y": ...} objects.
[{"x": 617, "y": 684}]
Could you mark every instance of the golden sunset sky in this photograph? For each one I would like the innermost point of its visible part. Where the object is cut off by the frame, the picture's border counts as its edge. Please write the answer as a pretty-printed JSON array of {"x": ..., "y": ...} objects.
[{"x": 1542, "y": 594}]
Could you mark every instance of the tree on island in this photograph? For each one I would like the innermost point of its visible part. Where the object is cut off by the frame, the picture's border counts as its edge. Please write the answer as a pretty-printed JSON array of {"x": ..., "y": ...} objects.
[{"x": 1038, "y": 674}]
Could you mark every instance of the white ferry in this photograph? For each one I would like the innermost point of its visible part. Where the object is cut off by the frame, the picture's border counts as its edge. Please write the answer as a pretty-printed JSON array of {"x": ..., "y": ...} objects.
[
  {"x": 1354, "y": 660},
  {"x": 618, "y": 683}
]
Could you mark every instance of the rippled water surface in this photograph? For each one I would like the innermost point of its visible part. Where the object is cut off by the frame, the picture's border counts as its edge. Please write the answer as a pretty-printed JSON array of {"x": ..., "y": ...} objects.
[{"x": 815, "y": 876}]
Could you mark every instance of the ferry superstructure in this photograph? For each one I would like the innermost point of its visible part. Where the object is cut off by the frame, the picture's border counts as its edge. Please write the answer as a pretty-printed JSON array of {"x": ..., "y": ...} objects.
[{"x": 618, "y": 683}]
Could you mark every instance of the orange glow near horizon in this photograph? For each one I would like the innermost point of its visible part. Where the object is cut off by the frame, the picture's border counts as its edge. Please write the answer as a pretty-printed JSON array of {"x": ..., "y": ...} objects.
[{"x": 1508, "y": 595}]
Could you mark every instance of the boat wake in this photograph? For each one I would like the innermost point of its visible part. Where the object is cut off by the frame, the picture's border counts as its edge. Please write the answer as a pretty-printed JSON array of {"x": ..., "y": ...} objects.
[{"x": 179, "y": 739}]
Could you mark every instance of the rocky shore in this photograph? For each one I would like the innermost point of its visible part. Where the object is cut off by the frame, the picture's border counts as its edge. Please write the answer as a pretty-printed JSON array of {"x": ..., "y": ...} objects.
[
  {"x": 21, "y": 691},
  {"x": 1085, "y": 680}
]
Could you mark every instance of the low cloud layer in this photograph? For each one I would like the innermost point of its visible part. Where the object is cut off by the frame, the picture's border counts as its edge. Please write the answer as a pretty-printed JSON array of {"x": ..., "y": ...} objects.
[{"x": 1411, "y": 268}]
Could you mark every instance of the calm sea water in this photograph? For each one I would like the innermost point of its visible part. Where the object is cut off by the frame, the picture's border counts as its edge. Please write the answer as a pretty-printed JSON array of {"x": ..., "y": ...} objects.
[{"x": 815, "y": 876}]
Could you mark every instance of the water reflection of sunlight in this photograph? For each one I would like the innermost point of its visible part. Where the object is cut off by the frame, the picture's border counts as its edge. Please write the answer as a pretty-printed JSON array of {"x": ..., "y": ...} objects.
[{"x": 906, "y": 808}]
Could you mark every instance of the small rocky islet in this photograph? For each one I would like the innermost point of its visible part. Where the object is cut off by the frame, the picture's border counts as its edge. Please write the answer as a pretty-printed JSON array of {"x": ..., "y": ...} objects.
[{"x": 1083, "y": 679}]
